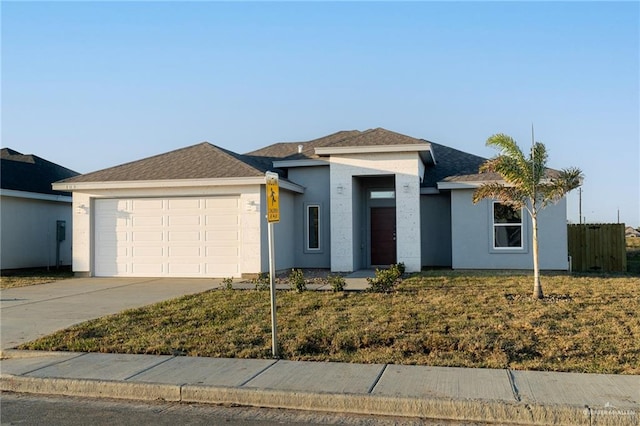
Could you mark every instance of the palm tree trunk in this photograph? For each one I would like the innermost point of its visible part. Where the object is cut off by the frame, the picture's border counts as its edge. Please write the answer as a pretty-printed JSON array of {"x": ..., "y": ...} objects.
[{"x": 537, "y": 286}]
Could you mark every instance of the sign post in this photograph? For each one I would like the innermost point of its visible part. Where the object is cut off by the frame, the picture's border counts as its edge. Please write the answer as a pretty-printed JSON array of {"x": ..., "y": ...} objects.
[{"x": 273, "y": 216}]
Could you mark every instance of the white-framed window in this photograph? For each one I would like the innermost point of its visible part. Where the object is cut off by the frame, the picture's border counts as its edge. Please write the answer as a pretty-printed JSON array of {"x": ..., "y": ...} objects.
[
  {"x": 508, "y": 228},
  {"x": 313, "y": 227}
]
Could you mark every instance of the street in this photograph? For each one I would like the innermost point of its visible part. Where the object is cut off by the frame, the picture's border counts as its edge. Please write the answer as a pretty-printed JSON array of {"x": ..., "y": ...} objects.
[{"x": 22, "y": 409}]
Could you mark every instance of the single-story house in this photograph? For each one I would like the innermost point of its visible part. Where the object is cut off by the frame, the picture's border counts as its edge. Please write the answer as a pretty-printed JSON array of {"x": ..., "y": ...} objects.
[
  {"x": 630, "y": 232},
  {"x": 348, "y": 201},
  {"x": 35, "y": 219}
]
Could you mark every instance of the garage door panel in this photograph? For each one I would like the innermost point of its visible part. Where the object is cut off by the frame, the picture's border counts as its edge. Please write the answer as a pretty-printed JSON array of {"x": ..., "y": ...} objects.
[
  {"x": 184, "y": 220},
  {"x": 221, "y": 237},
  {"x": 192, "y": 236},
  {"x": 151, "y": 251},
  {"x": 222, "y": 270},
  {"x": 147, "y": 204},
  {"x": 222, "y": 221},
  {"x": 168, "y": 237},
  {"x": 216, "y": 252},
  {"x": 154, "y": 236},
  {"x": 185, "y": 269},
  {"x": 148, "y": 269},
  {"x": 188, "y": 251},
  {"x": 184, "y": 204},
  {"x": 143, "y": 220}
]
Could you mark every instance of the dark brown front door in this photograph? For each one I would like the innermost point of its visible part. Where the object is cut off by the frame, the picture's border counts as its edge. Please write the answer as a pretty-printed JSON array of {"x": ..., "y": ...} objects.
[{"x": 383, "y": 235}]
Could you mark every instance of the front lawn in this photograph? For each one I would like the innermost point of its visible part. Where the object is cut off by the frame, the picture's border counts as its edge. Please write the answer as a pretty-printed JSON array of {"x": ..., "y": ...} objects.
[
  {"x": 586, "y": 324},
  {"x": 27, "y": 277}
]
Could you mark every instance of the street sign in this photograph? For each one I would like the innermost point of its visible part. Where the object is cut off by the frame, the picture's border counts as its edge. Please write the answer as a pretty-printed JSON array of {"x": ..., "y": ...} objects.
[{"x": 273, "y": 198}]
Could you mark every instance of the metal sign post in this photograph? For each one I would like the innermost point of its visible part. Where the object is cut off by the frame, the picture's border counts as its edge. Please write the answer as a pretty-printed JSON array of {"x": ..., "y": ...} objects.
[{"x": 273, "y": 216}]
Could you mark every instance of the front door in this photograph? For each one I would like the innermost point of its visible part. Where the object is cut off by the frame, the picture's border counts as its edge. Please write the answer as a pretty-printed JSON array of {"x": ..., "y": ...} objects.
[{"x": 383, "y": 235}]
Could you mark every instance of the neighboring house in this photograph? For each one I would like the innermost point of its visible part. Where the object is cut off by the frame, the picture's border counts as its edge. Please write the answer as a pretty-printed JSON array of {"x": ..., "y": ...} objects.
[
  {"x": 348, "y": 201},
  {"x": 630, "y": 232},
  {"x": 35, "y": 219}
]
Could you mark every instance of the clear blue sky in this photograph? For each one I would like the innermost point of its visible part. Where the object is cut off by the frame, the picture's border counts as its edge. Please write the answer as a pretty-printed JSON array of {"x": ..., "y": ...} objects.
[{"x": 90, "y": 85}]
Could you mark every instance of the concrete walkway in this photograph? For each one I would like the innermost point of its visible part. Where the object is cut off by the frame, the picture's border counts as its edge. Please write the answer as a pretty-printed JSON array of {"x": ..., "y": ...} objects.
[
  {"x": 463, "y": 394},
  {"x": 470, "y": 395}
]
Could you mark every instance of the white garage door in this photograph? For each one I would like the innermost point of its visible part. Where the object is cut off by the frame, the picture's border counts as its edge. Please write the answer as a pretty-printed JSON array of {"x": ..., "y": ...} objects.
[{"x": 174, "y": 237}]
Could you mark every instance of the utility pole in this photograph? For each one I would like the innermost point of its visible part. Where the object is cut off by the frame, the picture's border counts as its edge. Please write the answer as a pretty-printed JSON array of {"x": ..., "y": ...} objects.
[{"x": 580, "y": 204}]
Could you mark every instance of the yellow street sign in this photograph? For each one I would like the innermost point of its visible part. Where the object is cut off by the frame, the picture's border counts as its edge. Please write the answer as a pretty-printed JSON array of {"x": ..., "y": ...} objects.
[{"x": 273, "y": 198}]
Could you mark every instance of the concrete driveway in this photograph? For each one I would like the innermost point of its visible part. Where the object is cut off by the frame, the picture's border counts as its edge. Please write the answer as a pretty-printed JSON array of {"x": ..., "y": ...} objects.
[{"x": 27, "y": 313}]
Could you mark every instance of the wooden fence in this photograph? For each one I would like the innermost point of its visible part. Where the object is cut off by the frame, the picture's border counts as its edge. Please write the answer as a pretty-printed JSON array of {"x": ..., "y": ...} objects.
[{"x": 597, "y": 247}]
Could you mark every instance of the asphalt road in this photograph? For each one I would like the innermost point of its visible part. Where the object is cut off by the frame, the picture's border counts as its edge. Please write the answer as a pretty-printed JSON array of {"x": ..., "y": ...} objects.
[{"x": 22, "y": 409}]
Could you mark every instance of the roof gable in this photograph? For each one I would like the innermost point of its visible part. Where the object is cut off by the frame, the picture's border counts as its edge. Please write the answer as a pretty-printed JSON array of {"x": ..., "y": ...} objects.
[
  {"x": 201, "y": 161},
  {"x": 30, "y": 173}
]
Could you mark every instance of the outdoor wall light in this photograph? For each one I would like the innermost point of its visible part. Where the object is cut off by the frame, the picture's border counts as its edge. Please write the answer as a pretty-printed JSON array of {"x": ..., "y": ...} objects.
[
  {"x": 405, "y": 188},
  {"x": 340, "y": 189},
  {"x": 82, "y": 209}
]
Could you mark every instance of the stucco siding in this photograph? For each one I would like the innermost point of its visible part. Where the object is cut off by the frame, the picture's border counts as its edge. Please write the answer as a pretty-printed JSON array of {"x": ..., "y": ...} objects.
[
  {"x": 471, "y": 235},
  {"x": 435, "y": 229},
  {"x": 315, "y": 180},
  {"x": 284, "y": 234},
  {"x": 28, "y": 233},
  {"x": 405, "y": 167}
]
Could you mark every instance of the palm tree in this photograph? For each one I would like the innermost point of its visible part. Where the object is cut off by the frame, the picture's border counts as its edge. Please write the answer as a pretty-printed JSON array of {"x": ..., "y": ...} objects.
[{"x": 525, "y": 183}]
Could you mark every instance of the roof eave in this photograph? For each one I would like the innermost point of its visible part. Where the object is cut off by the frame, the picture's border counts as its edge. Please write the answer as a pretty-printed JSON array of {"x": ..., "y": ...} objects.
[
  {"x": 175, "y": 183},
  {"x": 372, "y": 149},
  {"x": 299, "y": 163}
]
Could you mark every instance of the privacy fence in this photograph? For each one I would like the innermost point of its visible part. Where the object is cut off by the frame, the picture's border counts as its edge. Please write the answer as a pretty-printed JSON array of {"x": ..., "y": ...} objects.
[{"x": 597, "y": 247}]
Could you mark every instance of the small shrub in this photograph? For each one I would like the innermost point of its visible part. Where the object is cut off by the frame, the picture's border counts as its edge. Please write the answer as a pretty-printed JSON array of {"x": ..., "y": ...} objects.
[
  {"x": 337, "y": 282},
  {"x": 262, "y": 282},
  {"x": 296, "y": 280},
  {"x": 386, "y": 279},
  {"x": 227, "y": 283}
]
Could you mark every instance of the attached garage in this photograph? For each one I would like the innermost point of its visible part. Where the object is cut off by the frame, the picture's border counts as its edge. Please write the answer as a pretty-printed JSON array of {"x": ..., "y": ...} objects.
[{"x": 167, "y": 237}]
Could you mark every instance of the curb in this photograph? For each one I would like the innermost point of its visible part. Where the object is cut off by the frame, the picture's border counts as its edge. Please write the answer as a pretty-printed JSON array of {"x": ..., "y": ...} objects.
[{"x": 432, "y": 408}]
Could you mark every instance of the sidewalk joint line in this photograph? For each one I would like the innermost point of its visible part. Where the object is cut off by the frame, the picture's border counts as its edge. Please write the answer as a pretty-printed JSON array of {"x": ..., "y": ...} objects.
[
  {"x": 258, "y": 373},
  {"x": 514, "y": 387},
  {"x": 53, "y": 363},
  {"x": 148, "y": 368},
  {"x": 377, "y": 379}
]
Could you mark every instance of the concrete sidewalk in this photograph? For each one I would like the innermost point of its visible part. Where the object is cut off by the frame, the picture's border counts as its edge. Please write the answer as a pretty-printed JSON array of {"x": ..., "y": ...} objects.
[{"x": 462, "y": 394}]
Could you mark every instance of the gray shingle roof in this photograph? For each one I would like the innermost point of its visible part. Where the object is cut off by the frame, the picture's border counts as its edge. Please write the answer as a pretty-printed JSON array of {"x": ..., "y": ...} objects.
[
  {"x": 207, "y": 161},
  {"x": 453, "y": 165},
  {"x": 201, "y": 161},
  {"x": 30, "y": 173},
  {"x": 289, "y": 150}
]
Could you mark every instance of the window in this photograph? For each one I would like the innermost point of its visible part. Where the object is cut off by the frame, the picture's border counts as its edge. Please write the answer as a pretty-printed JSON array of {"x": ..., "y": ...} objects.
[
  {"x": 376, "y": 195},
  {"x": 313, "y": 227},
  {"x": 507, "y": 226}
]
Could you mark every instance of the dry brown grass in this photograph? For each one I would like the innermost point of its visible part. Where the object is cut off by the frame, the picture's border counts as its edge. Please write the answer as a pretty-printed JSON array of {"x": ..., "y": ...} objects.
[
  {"x": 27, "y": 277},
  {"x": 586, "y": 324}
]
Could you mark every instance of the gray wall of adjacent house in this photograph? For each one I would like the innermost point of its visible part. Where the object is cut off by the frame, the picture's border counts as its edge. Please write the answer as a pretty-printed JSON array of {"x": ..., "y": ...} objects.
[
  {"x": 284, "y": 233},
  {"x": 472, "y": 237},
  {"x": 315, "y": 180},
  {"x": 28, "y": 233},
  {"x": 435, "y": 229}
]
